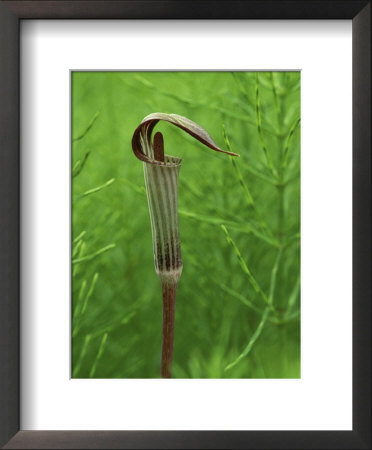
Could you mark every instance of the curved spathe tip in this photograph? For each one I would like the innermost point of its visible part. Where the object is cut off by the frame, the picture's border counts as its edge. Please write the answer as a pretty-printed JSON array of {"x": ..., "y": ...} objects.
[{"x": 142, "y": 144}]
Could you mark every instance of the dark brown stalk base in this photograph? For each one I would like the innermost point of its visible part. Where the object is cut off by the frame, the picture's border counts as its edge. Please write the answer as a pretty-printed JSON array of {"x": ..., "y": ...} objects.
[{"x": 169, "y": 303}]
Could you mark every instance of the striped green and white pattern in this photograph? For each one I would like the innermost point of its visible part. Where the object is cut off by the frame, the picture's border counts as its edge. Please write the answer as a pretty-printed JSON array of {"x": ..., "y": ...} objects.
[
  {"x": 161, "y": 179},
  {"x": 162, "y": 195}
]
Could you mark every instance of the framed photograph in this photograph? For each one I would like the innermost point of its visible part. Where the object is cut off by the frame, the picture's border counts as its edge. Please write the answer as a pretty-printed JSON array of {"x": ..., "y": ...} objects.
[
  {"x": 181, "y": 219},
  {"x": 186, "y": 215}
]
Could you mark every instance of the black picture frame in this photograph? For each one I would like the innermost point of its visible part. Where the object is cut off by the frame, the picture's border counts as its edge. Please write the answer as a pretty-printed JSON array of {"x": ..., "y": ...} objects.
[{"x": 11, "y": 12}]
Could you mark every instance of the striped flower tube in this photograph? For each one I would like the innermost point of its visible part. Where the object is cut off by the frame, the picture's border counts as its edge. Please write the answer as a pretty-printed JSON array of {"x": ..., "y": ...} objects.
[
  {"x": 161, "y": 178},
  {"x": 162, "y": 189}
]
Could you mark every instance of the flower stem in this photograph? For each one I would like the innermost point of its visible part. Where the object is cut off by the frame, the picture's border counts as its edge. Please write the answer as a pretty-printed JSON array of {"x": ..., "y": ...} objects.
[{"x": 169, "y": 303}]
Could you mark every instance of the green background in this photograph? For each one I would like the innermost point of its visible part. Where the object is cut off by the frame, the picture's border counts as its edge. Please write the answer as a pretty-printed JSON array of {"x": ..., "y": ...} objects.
[{"x": 238, "y": 300}]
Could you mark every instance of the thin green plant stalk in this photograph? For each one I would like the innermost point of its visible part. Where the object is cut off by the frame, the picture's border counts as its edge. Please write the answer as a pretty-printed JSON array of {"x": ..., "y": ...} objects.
[{"x": 161, "y": 178}]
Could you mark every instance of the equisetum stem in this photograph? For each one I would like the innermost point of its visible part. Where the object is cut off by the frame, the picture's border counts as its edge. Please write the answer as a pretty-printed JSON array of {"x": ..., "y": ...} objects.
[{"x": 169, "y": 304}]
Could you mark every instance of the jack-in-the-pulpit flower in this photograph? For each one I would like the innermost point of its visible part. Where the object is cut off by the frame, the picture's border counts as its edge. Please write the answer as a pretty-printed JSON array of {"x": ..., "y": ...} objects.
[{"x": 161, "y": 179}]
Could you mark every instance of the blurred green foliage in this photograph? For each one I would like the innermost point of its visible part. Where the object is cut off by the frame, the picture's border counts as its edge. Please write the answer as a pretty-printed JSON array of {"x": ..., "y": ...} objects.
[{"x": 238, "y": 301}]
